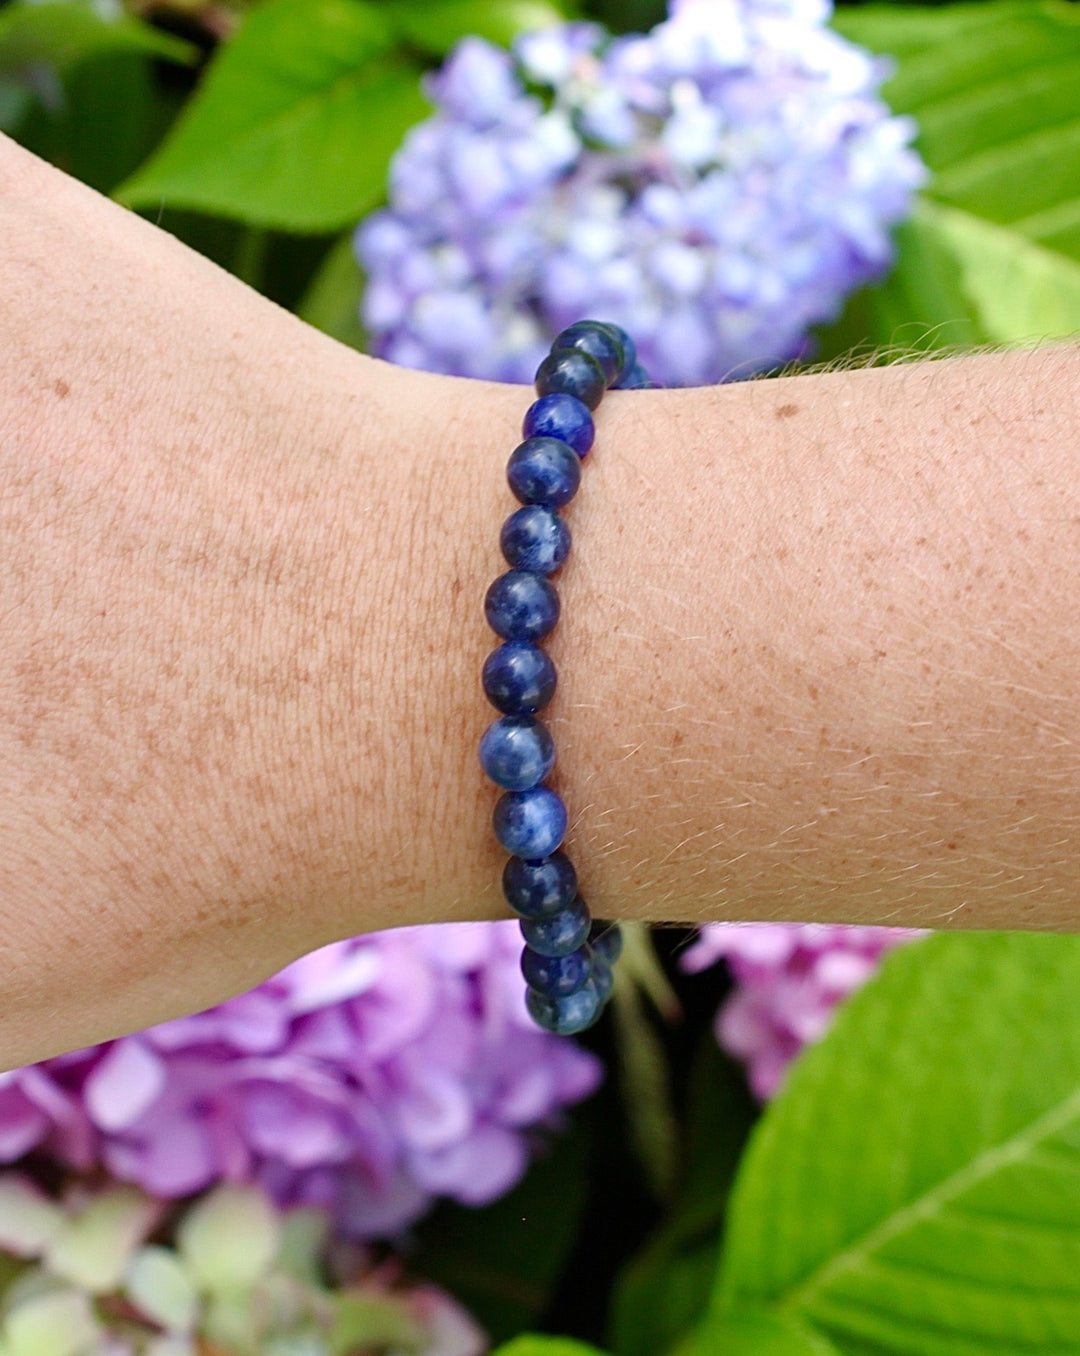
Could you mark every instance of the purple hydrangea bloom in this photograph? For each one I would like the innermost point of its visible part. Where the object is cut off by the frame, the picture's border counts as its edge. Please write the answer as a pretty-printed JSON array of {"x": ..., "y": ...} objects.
[
  {"x": 368, "y": 1077},
  {"x": 716, "y": 186},
  {"x": 789, "y": 978}
]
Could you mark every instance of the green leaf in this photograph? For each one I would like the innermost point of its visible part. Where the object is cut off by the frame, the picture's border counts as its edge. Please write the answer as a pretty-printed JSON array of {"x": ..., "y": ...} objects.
[
  {"x": 535, "y": 1344},
  {"x": 959, "y": 281},
  {"x": 63, "y": 35},
  {"x": 332, "y": 300},
  {"x": 916, "y": 1185},
  {"x": 436, "y": 25},
  {"x": 994, "y": 89},
  {"x": 295, "y": 122},
  {"x": 753, "y": 1333}
]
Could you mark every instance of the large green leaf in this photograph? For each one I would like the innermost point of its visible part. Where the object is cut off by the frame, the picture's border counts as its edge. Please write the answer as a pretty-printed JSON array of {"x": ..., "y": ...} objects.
[
  {"x": 916, "y": 1186},
  {"x": 62, "y": 34},
  {"x": 959, "y": 281},
  {"x": 295, "y": 122},
  {"x": 994, "y": 88},
  {"x": 753, "y": 1334}
]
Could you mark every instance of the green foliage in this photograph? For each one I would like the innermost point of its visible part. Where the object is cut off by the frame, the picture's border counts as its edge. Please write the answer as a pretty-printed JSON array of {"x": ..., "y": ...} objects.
[
  {"x": 64, "y": 33},
  {"x": 295, "y": 122},
  {"x": 753, "y": 1333},
  {"x": 992, "y": 255},
  {"x": 665, "y": 1289},
  {"x": 916, "y": 1187},
  {"x": 533, "y": 1344},
  {"x": 332, "y": 300},
  {"x": 436, "y": 25}
]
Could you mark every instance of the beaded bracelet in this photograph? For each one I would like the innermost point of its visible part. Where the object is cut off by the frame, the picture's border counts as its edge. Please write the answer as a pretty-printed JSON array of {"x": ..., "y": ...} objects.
[{"x": 567, "y": 958}]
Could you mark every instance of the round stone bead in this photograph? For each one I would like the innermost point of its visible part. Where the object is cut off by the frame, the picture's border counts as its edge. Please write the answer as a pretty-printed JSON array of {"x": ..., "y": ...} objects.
[
  {"x": 598, "y": 341},
  {"x": 535, "y": 538},
  {"x": 606, "y": 940},
  {"x": 561, "y": 416},
  {"x": 636, "y": 379},
  {"x": 539, "y": 889},
  {"x": 559, "y": 933},
  {"x": 629, "y": 348},
  {"x": 572, "y": 372},
  {"x": 565, "y": 1016},
  {"x": 521, "y": 605},
  {"x": 519, "y": 678},
  {"x": 556, "y": 976},
  {"x": 517, "y": 752},
  {"x": 544, "y": 471},
  {"x": 601, "y": 977},
  {"x": 530, "y": 824}
]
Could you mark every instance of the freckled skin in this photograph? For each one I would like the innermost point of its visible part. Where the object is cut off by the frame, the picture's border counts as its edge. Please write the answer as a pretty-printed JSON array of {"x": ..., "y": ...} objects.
[{"x": 818, "y": 645}]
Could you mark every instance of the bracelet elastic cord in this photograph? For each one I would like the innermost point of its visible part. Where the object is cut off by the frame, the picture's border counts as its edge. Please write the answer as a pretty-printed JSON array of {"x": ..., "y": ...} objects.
[{"x": 568, "y": 958}]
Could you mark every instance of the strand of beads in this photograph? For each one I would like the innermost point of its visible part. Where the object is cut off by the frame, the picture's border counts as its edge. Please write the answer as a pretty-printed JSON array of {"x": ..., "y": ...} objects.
[{"x": 567, "y": 958}]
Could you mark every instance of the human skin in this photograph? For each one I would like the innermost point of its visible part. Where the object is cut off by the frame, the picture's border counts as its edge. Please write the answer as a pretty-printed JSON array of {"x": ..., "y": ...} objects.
[{"x": 818, "y": 658}]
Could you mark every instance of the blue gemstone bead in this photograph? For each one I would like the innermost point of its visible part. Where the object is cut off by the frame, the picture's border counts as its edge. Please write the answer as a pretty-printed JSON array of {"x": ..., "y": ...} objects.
[
  {"x": 559, "y": 933},
  {"x": 561, "y": 416},
  {"x": 629, "y": 348},
  {"x": 530, "y": 823},
  {"x": 636, "y": 379},
  {"x": 544, "y": 471},
  {"x": 521, "y": 605},
  {"x": 606, "y": 940},
  {"x": 519, "y": 678},
  {"x": 517, "y": 752},
  {"x": 601, "y": 978},
  {"x": 556, "y": 976},
  {"x": 538, "y": 889},
  {"x": 565, "y": 1016},
  {"x": 599, "y": 342},
  {"x": 573, "y": 372},
  {"x": 535, "y": 538}
]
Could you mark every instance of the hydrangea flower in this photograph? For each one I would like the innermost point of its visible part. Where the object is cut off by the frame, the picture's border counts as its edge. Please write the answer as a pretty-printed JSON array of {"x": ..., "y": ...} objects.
[
  {"x": 789, "y": 978},
  {"x": 79, "y": 1277},
  {"x": 367, "y": 1078},
  {"x": 716, "y": 186}
]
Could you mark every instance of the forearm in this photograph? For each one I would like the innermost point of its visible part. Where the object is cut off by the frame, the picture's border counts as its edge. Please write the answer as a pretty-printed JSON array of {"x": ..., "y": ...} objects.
[{"x": 817, "y": 656}]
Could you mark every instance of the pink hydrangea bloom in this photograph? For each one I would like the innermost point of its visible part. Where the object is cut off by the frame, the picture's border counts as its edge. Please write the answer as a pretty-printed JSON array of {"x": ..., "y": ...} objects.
[
  {"x": 789, "y": 978},
  {"x": 369, "y": 1077}
]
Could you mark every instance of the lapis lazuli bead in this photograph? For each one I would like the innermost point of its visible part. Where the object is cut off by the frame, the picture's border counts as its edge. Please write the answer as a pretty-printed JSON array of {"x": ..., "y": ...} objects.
[
  {"x": 572, "y": 372},
  {"x": 519, "y": 678},
  {"x": 517, "y": 752},
  {"x": 561, "y": 416},
  {"x": 559, "y": 933},
  {"x": 598, "y": 341},
  {"x": 629, "y": 348},
  {"x": 521, "y": 605},
  {"x": 601, "y": 976},
  {"x": 535, "y": 538},
  {"x": 556, "y": 976},
  {"x": 636, "y": 379},
  {"x": 544, "y": 471},
  {"x": 565, "y": 1016},
  {"x": 530, "y": 823},
  {"x": 606, "y": 940},
  {"x": 539, "y": 889}
]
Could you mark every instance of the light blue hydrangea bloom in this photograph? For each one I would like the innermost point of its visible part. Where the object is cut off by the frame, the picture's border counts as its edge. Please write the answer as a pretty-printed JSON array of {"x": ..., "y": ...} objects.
[{"x": 716, "y": 186}]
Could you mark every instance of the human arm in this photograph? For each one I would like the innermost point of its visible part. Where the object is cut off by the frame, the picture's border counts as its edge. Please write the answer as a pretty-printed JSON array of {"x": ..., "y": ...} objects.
[{"x": 817, "y": 659}]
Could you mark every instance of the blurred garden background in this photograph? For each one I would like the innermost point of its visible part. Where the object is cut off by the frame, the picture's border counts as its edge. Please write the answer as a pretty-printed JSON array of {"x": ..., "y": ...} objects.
[{"x": 781, "y": 1140}]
